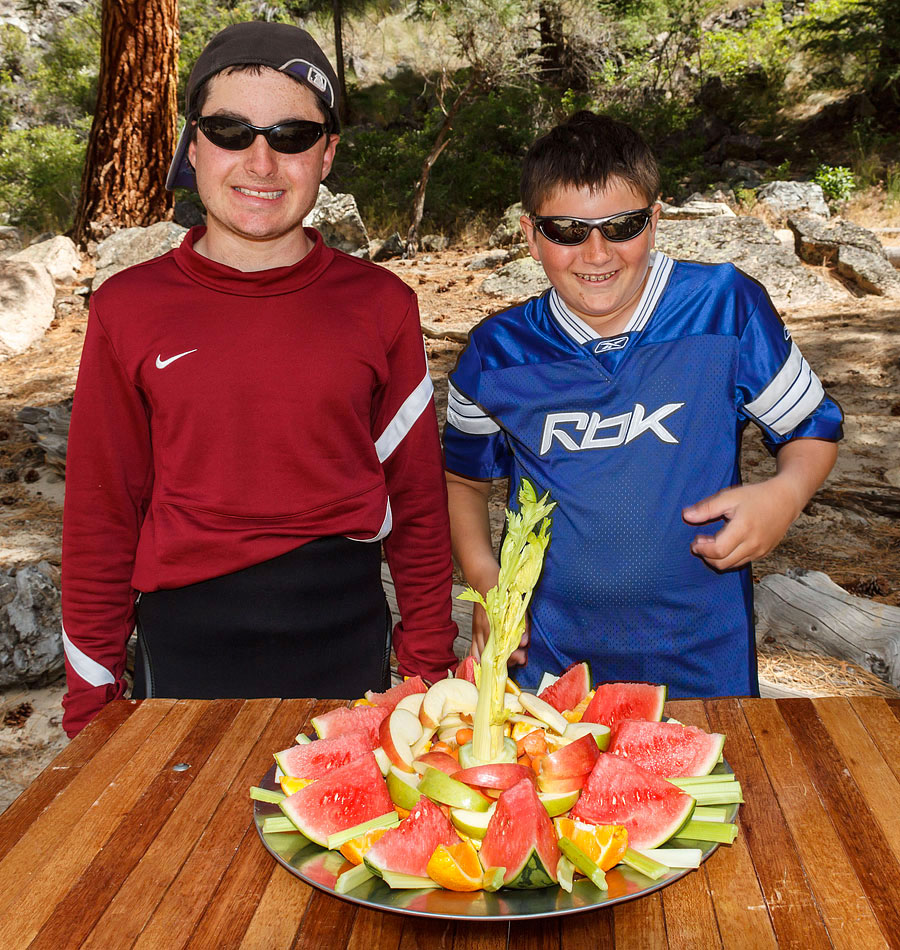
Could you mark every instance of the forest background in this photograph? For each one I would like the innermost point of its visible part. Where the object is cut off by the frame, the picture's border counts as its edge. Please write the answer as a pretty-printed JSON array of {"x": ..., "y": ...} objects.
[{"x": 452, "y": 93}]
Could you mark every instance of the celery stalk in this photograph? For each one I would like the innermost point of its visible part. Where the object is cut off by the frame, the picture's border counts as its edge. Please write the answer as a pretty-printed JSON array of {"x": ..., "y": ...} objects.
[
  {"x": 506, "y": 605},
  {"x": 266, "y": 795}
]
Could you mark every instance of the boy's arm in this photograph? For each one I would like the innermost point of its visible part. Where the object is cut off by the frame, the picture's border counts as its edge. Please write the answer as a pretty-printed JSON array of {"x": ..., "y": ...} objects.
[
  {"x": 759, "y": 515},
  {"x": 470, "y": 532}
]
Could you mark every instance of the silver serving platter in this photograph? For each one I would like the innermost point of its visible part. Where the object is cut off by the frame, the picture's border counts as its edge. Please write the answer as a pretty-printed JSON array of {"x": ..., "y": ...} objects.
[{"x": 320, "y": 868}]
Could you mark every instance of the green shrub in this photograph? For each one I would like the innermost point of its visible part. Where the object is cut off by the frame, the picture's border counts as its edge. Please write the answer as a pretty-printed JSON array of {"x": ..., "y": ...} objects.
[
  {"x": 40, "y": 173},
  {"x": 837, "y": 181}
]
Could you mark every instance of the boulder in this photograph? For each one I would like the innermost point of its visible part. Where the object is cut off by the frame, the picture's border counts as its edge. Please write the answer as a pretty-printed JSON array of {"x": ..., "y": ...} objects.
[
  {"x": 130, "y": 246},
  {"x": 393, "y": 247},
  {"x": 497, "y": 256},
  {"x": 817, "y": 240},
  {"x": 517, "y": 280},
  {"x": 780, "y": 198},
  {"x": 337, "y": 218},
  {"x": 434, "y": 242},
  {"x": 58, "y": 254},
  {"x": 872, "y": 273},
  {"x": 26, "y": 305},
  {"x": 508, "y": 231},
  {"x": 754, "y": 248},
  {"x": 49, "y": 427},
  {"x": 695, "y": 208},
  {"x": 30, "y": 625},
  {"x": 10, "y": 240}
]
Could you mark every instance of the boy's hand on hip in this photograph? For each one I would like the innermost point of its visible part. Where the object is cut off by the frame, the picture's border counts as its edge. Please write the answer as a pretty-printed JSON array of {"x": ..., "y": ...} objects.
[{"x": 757, "y": 517}]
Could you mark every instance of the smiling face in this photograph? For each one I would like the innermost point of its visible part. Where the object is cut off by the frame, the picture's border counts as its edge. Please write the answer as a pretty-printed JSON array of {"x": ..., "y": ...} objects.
[
  {"x": 256, "y": 198},
  {"x": 601, "y": 281}
]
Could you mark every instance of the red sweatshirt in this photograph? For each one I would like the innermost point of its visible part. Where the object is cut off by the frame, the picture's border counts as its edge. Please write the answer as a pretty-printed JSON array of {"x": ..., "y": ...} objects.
[{"x": 223, "y": 418}]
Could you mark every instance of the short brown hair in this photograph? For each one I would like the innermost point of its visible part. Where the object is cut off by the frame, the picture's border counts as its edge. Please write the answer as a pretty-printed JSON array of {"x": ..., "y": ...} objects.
[{"x": 587, "y": 150}]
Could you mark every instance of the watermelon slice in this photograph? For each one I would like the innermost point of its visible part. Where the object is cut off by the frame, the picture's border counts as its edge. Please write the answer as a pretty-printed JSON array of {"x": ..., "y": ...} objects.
[
  {"x": 407, "y": 848},
  {"x": 618, "y": 792},
  {"x": 391, "y": 697},
  {"x": 614, "y": 702},
  {"x": 315, "y": 759},
  {"x": 344, "y": 798},
  {"x": 466, "y": 669},
  {"x": 521, "y": 838},
  {"x": 667, "y": 748},
  {"x": 569, "y": 690},
  {"x": 341, "y": 720}
]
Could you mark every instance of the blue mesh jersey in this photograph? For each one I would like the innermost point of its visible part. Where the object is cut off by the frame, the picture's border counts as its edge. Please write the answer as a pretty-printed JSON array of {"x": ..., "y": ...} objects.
[{"x": 624, "y": 432}]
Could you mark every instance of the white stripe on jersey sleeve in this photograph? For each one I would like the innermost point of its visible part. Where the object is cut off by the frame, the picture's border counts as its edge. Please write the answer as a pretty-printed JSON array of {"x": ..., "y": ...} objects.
[
  {"x": 413, "y": 407},
  {"x": 89, "y": 670},
  {"x": 464, "y": 415},
  {"x": 792, "y": 395}
]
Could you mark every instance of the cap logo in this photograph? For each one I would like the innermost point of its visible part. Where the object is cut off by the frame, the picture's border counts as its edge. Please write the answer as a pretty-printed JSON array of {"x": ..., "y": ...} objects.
[{"x": 313, "y": 75}]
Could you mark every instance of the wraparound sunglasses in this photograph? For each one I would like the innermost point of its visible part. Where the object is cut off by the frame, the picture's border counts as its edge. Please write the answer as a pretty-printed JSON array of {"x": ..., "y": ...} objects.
[
  {"x": 292, "y": 137},
  {"x": 562, "y": 229}
]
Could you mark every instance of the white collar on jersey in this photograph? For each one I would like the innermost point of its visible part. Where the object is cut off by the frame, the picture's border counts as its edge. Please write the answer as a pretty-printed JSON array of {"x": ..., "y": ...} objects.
[{"x": 581, "y": 332}]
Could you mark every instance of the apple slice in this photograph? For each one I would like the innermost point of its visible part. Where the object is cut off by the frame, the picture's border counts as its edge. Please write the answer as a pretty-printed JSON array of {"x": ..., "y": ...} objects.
[
  {"x": 423, "y": 743},
  {"x": 543, "y": 711},
  {"x": 397, "y": 733},
  {"x": 558, "y": 803},
  {"x": 446, "y": 697},
  {"x": 436, "y": 760},
  {"x": 500, "y": 775},
  {"x": 577, "y": 758},
  {"x": 412, "y": 703},
  {"x": 439, "y": 787},
  {"x": 403, "y": 788},
  {"x": 512, "y": 703},
  {"x": 575, "y": 730}
]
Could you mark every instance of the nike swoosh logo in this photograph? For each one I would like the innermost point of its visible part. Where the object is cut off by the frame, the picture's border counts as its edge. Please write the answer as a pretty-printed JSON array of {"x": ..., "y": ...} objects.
[{"x": 162, "y": 364}]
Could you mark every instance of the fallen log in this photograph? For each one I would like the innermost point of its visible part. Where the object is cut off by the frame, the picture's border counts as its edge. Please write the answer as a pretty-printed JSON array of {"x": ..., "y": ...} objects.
[
  {"x": 440, "y": 333},
  {"x": 807, "y": 611},
  {"x": 881, "y": 501}
]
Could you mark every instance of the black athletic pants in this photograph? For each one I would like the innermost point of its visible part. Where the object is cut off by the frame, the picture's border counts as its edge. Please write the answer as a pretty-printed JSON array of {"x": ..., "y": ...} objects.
[{"x": 312, "y": 622}]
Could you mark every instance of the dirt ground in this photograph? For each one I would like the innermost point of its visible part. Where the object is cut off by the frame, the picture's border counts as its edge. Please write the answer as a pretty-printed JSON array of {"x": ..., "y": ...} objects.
[{"x": 848, "y": 529}]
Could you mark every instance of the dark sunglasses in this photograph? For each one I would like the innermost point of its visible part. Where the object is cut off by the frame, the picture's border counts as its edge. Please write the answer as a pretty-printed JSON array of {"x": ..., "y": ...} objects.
[
  {"x": 561, "y": 229},
  {"x": 292, "y": 137}
]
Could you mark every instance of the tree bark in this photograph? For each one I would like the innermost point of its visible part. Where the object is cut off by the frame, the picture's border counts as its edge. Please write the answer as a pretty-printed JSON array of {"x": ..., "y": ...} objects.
[
  {"x": 337, "y": 10},
  {"x": 132, "y": 138}
]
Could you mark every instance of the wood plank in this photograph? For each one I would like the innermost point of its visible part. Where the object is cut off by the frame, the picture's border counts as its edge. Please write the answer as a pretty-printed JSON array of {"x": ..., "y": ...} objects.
[
  {"x": 481, "y": 935},
  {"x": 640, "y": 925},
  {"x": 327, "y": 923},
  {"x": 60, "y": 772},
  {"x": 842, "y": 900},
  {"x": 882, "y": 725},
  {"x": 101, "y": 802},
  {"x": 179, "y": 800},
  {"x": 871, "y": 773},
  {"x": 191, "y": 889},
  {"x": 859, "y": 832},
  {"x": 592, "y": 930},
  {"x": 541, "y": 934},
  {"x": 376, "y": 930},
  {"x": 277, "y": 917},
  {"x": 422, "y": 933},
  {"x": 793, "y": 910},
  {"x": 76, "y": 798}
]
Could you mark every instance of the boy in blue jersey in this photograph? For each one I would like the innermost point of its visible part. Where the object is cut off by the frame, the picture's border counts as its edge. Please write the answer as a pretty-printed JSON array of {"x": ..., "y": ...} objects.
[{"x": 623, "y": 392}]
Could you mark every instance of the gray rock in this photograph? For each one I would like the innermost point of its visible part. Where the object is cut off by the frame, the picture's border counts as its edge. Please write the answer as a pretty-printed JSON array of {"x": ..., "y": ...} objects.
[
  {"x": 816, "y": 240},
  {"x": 30, "y": 625},
  {"x": 49, "y": 427},
  {"x": 743, "y": 174},
  {"x": 130, "y": 246},
  {"x": 754, "y": 248},
  {"x": 434, "y": 242},
  {"x": 870, "y": 272},
  {"x": 695, "y": 208},
  {"x": 508, "y": 231},
  {"x": 497, "y": 256},
  {"x": 26, "y": 305},
  {"x": 337, "y": 218},
  {"x": 59, "y": 255},
  {"x": 781, "y": 198},
  {"x": 187, "y": 214},
  {"x": 10, "y": 240},
  {"x": 393, "y": 247},
  {"x": 517, "y": 280}
]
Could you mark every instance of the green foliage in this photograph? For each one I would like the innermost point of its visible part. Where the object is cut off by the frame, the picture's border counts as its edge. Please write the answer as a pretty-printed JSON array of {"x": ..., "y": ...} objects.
[
  {"x": 40, "y": 172},
  {"x": 837, "y": 181},
  {"x": 764, "y": 44}
]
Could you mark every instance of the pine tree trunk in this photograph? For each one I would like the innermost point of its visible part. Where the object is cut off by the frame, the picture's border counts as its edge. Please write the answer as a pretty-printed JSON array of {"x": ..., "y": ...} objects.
[
  {"x": 337, "y": 11},
  {"x": 132, "y": 137}
]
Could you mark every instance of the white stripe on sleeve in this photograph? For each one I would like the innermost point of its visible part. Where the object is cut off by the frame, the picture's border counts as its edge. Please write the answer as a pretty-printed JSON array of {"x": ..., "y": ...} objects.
[
  {"x": 792, "y": 395},
  {"x": 413, "y": 407},
  {"x": 89, "y": 670},
  {"x": 464, "y": 415}
]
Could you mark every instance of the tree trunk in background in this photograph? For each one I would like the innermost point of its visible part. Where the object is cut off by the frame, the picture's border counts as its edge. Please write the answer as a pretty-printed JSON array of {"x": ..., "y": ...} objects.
[
  {"x": 132, "y": 137},
  {"x": 550, "y": 24},
  {"x": 337, "y": 11}
]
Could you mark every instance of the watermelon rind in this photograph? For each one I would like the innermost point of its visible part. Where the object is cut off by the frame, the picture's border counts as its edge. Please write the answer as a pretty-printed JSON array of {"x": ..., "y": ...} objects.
[
  {"x": 344, "y": 798},
  {"x": 614, "y": 702},
  {"x": 570, "y": 689},
  {"x": 532, "y": 874},
  {"x": 666, "y": 748}
]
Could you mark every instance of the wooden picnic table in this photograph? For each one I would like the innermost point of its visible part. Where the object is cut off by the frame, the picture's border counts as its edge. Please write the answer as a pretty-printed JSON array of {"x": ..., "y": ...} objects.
[{"x": 112, "y": 847}]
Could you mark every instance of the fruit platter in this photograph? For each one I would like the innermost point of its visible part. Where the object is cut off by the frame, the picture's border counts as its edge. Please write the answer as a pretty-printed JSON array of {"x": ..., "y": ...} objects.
[{"x": 470, "y": 797}]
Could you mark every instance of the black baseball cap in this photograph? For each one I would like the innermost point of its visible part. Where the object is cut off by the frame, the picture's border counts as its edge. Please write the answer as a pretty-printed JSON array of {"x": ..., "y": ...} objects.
[{"x": 279, "y": 46}]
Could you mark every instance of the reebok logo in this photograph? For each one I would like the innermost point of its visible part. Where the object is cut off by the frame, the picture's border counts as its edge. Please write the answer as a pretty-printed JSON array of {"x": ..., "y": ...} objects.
[
  {"x": 620, "y": 429},
  {"x": 162, "y": 364},
  {"x": 616, "y": 343}
]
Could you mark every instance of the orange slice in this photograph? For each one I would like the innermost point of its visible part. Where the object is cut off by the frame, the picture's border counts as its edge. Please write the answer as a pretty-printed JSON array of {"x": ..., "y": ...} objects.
[
  {"x": 574, "y": 715},
  {"x": 289, "y": 784},
  {"x": 604, "y": 844},
  {"x": 456, "y": 867},
  {"x": 355, "y": 849}
]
